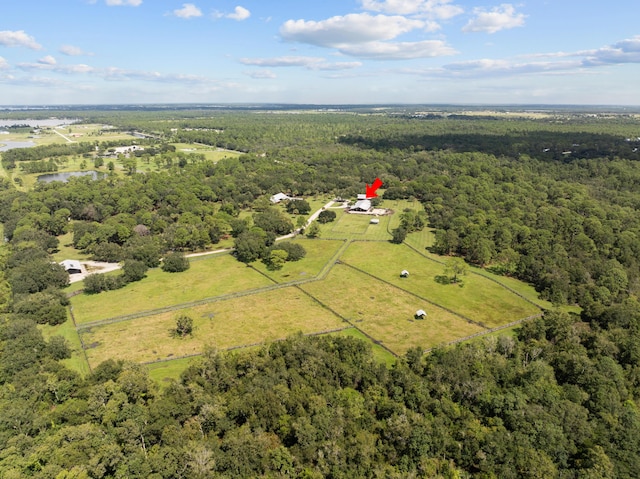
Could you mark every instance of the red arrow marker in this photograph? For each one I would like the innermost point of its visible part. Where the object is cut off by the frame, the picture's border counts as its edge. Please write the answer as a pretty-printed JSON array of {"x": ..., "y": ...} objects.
[{"x": 371, "y": 190}]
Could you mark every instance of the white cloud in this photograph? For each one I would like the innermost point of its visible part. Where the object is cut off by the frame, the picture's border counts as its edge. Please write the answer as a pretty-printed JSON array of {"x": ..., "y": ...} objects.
[
  {"x": 188, "y": 10},
  {"x": 625, "y": 51},
  {"x": 261, "y": 74},
  {"x": 310, "y": 63},
  {"x": 48, "y": 60},
  {"x": 4, "y": 65},
  {"x": 130, "y": 3},
  {"x": 18, "y": 38},
  {"x": 399, "y": 50},
  {"x": 498, "y": 18},
  {"x": 73, "y": 51},
  {"x": 289, "y": 61},
  {"x": 437, "y": 9},
  {"x": 239, "y": 13},
  {"x": 348, "y": 29}
]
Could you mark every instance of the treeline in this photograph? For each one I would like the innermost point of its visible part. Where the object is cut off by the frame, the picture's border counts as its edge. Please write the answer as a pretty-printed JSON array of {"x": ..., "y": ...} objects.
[
  {"x": 10, "y": 157},
  {"x": 556, "y": 401}
]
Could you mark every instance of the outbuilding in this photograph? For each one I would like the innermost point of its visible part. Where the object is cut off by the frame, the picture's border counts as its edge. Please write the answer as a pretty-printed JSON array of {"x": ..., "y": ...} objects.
[
  {"x": 420, "y": 314},
  {"x": 404, "y": 274},
  {"x": 72, "y": 266},
  {"x": 374, "y": 221}
]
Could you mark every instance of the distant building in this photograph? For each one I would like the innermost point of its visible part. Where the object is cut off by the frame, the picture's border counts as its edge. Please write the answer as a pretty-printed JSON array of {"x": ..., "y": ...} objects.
[
  {"x": 420, "y": 314},
  {"x": 404, "y": 274},
  {"x": 72, "y": 266},
  {"x": 362, "y": 196},
  {"x": 362, "y": 205},
  {"x": 278, "y": 197},
  {"x": 374, "y": 221}
]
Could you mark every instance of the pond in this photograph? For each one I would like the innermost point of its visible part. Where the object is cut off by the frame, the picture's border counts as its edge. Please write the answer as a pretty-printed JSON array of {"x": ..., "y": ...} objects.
[
  {"x": 64, "y": 176},
  {"x": 50, "y": 122},
  {"x": 10, "y": 145}
]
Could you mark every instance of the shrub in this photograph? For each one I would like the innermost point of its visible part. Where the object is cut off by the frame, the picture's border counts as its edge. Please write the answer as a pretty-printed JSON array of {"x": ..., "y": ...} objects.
[{"x": 175, "y": 263}]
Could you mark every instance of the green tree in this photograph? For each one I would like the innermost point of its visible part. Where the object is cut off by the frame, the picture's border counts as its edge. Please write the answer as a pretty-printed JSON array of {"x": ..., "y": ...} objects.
[
  {"x": 398, "y": 235},
  {"x": 175, "y": 263},
  {"x": 326, "y": 216},
  {"x": 313, "y": 231},
  {"x": 134, "y": 270},
  {"x": 277, "y": 258},
  {"x": 454, "y": 268}
]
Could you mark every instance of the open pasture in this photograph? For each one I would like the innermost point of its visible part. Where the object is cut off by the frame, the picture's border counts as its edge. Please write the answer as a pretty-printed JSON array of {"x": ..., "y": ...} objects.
[
  {"x": 237, "y": 322},
  {"x": 214, "y": 276},
  {"x": 210, "y": 153},
  {"x": 387, "y": 313},
  {"x": 478, "y": 298}
]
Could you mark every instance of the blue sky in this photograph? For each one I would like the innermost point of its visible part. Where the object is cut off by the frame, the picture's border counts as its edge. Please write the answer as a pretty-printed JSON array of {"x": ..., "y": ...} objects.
[{"x": 323, "y": 52}]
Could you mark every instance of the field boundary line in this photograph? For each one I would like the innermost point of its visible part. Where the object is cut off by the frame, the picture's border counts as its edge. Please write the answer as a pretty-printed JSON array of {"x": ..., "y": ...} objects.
[{"x": 484, "y": 333}]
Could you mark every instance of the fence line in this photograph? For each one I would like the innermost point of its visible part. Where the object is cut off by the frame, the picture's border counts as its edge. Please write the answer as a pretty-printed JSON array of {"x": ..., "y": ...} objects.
[
  {"x": 488, "y": 331},
  {"x": 82, "y": 345}
]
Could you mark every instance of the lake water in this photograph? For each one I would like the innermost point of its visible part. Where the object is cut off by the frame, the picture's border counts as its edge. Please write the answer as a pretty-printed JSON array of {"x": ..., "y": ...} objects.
[
  {"x": 10, "y": 145},
  {"x": 64, "y": 176}
]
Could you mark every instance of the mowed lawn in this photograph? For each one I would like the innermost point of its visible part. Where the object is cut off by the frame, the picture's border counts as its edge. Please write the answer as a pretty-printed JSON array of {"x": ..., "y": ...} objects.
[
  {"x": 319, "y": 253},
  {"x": 357, "y": 226},
  {"x": 213, "y": 276},
  {"x": 237, "y": 322},
  {"x": 479, "y": 298},
  {"x": 386, "y": 312}
]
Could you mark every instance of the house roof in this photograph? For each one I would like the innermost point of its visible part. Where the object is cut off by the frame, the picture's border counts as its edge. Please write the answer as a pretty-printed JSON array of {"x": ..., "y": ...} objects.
[
  {"x": 421, "y": 312},
  {"x": 71, "y": 264},
  {"x": 404, "y": 272},
  {"x": 278, "y": 197},
  {"x": 364, "y": 205},
  {"x": 362, "y": 196}
]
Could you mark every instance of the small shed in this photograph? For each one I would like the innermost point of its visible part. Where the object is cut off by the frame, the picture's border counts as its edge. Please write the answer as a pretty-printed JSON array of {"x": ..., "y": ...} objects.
[
  {"x": 420, "y": 314},
  {"x": 72, "y": 266},
  {"x": 404, "y": 274},
  {"x": 374, "y": 221}
]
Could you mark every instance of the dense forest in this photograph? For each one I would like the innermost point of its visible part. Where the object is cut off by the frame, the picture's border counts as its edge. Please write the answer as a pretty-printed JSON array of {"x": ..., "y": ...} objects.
[{"x": 553, "y": 201}]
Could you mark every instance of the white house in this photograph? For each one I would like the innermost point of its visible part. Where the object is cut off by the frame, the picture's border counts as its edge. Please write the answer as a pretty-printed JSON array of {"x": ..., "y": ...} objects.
[
  {"x": 278, "y": 197},
  {"x": 72, "y": 266}
]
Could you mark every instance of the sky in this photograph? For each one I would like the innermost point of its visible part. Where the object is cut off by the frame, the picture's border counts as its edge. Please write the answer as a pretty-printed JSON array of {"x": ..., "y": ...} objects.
[{"x": 319, "y": 52}]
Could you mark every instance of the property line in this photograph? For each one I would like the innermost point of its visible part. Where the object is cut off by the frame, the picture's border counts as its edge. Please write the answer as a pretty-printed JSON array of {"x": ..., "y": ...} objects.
[
  {"x": 484, "y": 333},
  {"x": 82, "y": 346}
]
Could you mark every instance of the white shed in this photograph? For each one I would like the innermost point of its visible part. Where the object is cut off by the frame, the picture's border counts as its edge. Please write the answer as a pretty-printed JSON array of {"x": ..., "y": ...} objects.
[{"x": 420, "y": 314}]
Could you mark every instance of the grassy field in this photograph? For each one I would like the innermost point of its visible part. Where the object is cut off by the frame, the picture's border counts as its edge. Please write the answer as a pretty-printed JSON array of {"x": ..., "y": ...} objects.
[
  {"x": 210, "y": 153},
  {"x": 479, "y": 299},
  {"x": 386, "y": 312},
  {"x": 379, "y": 353},
  {"x": 265, "y": 317},
  {"x": 214, "y": 276},
  {"x": 77, "y": 362},
  {"x": 319, "y": 252}
]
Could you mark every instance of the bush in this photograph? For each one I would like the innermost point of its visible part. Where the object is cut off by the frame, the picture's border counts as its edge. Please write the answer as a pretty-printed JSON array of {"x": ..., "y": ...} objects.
[
  {"x": 97, "y": 283},
  {"x": 326, "y": 216},
  {"x": 134, "y": 270},
  {"x": 175, "y": 263},
  {"x": 184, "y": 325}
]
